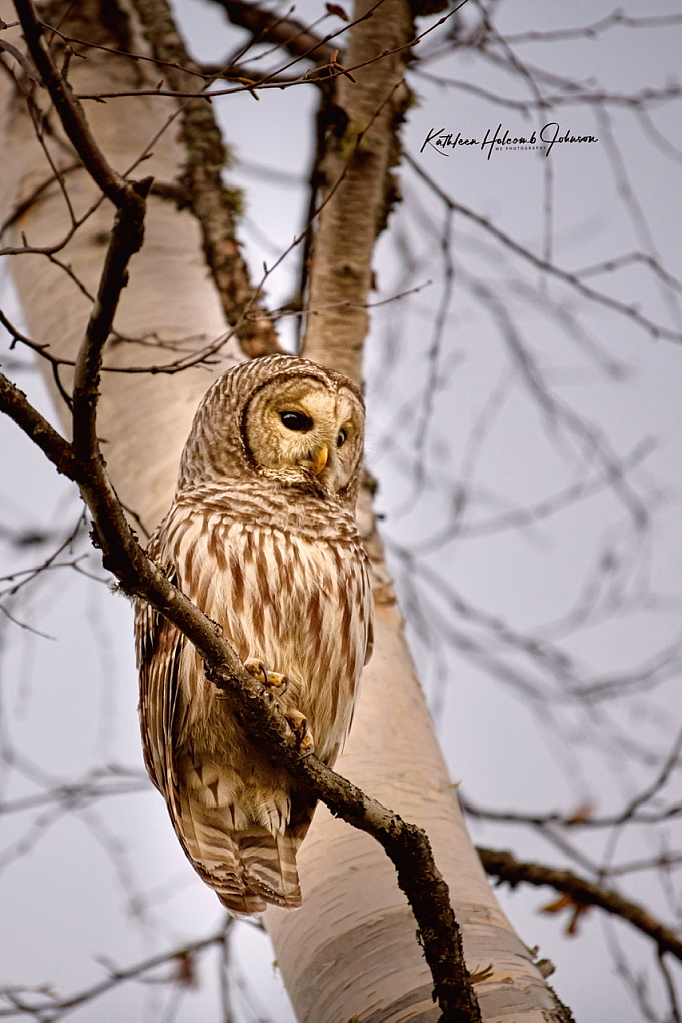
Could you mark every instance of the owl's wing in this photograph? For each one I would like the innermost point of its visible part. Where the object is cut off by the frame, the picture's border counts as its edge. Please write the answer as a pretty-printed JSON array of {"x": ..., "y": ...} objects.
[
  {"x": 369, "y": 648},
  {"x": 244, "y": 862},
  {"x": 159, "y": 648},
  {"x": 366, "y": 596}
]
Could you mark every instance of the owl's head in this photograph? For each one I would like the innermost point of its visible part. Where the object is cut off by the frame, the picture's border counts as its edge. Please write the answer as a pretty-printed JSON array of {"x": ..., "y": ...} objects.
[
  {"x": 304, "y": 430},
  {"x": 283, "y": 419}
]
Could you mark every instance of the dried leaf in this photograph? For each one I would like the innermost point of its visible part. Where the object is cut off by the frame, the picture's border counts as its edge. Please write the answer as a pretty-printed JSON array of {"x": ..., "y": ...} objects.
[
  {"x": 567, "y": 901},
  {"x": 583, "y": 812},
  {"x": 563, "y": 902},
  {"x": 185, "y": 974}
]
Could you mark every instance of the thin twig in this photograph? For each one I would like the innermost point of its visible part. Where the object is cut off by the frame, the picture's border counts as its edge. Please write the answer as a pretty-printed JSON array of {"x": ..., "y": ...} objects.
[{"x": 655, "y": 329}]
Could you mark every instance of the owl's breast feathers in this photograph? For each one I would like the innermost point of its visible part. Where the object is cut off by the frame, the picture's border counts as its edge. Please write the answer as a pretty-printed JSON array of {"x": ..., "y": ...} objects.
[
  {"x": 301, "y": 604},
  {"x": 292, "y": 590}
]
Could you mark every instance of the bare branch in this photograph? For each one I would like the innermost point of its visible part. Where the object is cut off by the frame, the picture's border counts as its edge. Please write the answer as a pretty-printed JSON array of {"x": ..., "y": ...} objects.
[
  {"x": 656, "y": 330},
  {"x": 617, "y": 18},
  {"x": 70, "y": 112},
  {"x": 581, "y": 893},
  {"x": 212, "y": 202},
  {"x": 47, "y": 1008},
  {"x": 298, "y": 39}
]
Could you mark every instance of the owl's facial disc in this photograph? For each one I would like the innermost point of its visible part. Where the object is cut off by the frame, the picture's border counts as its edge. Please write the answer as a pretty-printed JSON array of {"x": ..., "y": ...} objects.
[{"x": 303, "y": 433}]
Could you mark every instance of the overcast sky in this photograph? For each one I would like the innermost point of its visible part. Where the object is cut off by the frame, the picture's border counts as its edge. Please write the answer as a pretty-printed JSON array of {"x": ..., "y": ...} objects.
[{"x": 69, "y": 695}]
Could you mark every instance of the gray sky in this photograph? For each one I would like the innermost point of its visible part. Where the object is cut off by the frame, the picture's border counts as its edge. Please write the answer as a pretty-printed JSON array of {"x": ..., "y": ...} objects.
[{"x": 68, "y": 702}]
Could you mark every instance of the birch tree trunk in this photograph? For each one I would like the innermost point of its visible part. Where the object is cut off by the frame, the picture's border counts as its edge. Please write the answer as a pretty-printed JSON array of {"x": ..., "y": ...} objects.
[
  {"x": 350, "y": 952},
  {"x": 169, "y": 305}
]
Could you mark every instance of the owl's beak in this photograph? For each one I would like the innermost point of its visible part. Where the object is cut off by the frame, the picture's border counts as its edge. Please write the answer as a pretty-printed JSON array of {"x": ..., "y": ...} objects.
[{"x": 320, "y": 459}]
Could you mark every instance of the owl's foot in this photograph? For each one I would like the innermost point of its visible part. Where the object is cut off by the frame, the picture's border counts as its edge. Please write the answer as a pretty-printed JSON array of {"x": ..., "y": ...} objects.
[
  {"x": 298, "y": 723},
  {"x": 270, "y": 679},
  {"x": 277, "y": 684}
]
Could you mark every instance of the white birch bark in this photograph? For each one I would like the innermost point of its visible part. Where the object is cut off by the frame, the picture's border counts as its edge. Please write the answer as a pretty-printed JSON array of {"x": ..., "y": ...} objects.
[
  {"x": 144, "y": 419},
  {"x": 350, "y": 952}
]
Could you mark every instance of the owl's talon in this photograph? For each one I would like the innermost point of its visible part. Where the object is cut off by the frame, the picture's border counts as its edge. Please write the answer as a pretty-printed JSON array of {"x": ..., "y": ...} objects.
[
  {"x": 270, "y": 679},
  {"x": 298, "y": 723},
  {"x": 255, "y": 667},
  {"x": 278, "y": 682}
]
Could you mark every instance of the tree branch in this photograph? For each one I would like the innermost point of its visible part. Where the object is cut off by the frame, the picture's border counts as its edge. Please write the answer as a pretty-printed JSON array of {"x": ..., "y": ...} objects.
[
  {"x": 571, "y": 279},
  {"x": 52, "y": 1008},
  {"x": 213, "y": 204},
  {"x": 289, "y": 33},
  {"x": 126, "y": 240},
  {"x": 582, "y": 893}
]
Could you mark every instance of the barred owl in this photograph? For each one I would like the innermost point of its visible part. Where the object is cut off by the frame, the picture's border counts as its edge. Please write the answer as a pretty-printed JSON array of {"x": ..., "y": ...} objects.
[{"x": 262, "y": 537}]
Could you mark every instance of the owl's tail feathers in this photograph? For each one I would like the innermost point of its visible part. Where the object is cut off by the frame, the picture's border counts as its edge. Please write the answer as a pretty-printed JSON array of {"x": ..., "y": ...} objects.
[
  {"x": 268, "y": 873},
  {"x": 247, "y": 867}
]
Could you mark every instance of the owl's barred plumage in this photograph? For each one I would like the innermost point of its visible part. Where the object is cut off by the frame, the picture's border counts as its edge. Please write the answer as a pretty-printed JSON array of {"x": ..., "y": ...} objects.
[{"x": 262, "y": 537}]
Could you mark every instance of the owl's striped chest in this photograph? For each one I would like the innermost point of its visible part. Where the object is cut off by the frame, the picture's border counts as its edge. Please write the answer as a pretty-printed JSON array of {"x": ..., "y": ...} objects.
[
  {"x": 282, "y": 584},
  {"x": 301, "y": 605}
]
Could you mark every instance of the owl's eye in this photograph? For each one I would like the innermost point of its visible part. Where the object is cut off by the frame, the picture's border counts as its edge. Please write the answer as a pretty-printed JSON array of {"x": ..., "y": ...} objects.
[
  {"x": 341, "y": 439},
  {"x": 296, "y": 421}
]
